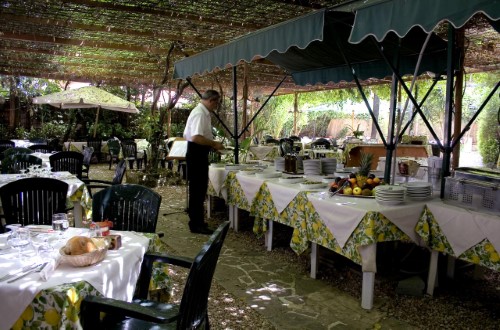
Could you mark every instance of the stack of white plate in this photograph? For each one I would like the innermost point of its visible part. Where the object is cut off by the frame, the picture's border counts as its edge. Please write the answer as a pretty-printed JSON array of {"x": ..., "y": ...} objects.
[
  {"x": 292, "y": 179},
  {"x": 418, "y": 190},
  {"x": 233, "y": 167},
  {"x": 279, "y": 164},
  {"x": 328, "y": 165},
  {"x": 390, "y": 195},
  {"x": 268, "y": 175},
  {"x": 312, "y": 167},
  {"x": 250, "y": 170}
]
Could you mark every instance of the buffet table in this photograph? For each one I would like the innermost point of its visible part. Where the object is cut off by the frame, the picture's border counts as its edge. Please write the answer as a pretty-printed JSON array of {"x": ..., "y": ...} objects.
[
  {"x": 352, "y": 226},
  {"x": 460, "y": 233},
  {"x": 55, "y": 303},
  {"x": 352, "y": 229}
]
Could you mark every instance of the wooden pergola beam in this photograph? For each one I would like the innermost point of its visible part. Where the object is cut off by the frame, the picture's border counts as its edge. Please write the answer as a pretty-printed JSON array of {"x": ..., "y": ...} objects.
[
  {"x": 107, "y": 29},
  {"x": 144, "y": 60},
  {"x": 82, "y": 43},
  {"x": 159, "y": 12}
]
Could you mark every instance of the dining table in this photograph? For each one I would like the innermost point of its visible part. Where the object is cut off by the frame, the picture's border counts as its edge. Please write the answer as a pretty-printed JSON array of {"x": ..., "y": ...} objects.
[{"x": 51, "y": 299}]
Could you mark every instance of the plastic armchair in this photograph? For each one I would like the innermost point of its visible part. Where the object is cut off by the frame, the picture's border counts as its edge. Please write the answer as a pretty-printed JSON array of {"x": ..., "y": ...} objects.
[
  {"x": 33, "y": 200},
  {"x": 117, "y": 178},
  {"x": 87, "y": 157},
  {"x": 97, "y": 145},
  {"x": 113, "y": 151},
  {"x": 191, "y": 313},
  {"x": 129, "y": 149},
  {"x": 4, "y": 145},
  {"x": 8, "y": 157},
  {"x": 20, "y": 162},
  {"x": 130, "y": 207},
  {"x": 71, "y": 161},
  {"x": 43, "y": 148}
]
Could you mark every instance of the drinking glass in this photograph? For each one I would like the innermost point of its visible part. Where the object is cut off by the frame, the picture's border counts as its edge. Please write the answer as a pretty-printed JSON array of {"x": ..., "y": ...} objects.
[
  {"x": 94, "y": 230},
  {"x": 60, "y": 223},
  {"x": 19, "y": 239}
]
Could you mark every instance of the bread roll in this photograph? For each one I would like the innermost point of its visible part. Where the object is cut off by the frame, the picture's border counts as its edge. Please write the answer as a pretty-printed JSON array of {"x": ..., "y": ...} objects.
[{"x": 79, "y": 245}]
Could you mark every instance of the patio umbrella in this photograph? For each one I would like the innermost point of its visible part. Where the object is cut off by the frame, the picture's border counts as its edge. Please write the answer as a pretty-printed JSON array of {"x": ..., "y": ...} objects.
[{"x": 87, "y": 97}]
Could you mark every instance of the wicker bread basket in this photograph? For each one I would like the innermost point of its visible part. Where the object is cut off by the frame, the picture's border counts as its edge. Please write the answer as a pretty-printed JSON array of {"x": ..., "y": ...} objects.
[{"x": 86, "y": 259}]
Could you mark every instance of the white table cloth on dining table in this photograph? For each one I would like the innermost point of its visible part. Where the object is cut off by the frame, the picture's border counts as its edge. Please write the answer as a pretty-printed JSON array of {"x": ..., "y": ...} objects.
[{"x": 114, "y": 277}]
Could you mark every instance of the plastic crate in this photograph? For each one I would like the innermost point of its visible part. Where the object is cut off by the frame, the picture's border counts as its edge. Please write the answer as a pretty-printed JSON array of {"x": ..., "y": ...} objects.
[{"x": 471, "y": 194}]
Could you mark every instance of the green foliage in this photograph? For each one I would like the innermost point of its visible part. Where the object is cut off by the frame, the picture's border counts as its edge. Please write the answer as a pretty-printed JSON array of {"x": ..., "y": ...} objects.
[{"x": 488, "y": 134}]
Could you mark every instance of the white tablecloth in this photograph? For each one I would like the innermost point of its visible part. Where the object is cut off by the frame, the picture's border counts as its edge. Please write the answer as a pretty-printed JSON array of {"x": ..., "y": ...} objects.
[
  {"x": 115, "y": 276},
  {"x": 464, "y": 228},
  {"x": 342, "y": 218},
  {"x": 261, "y": 152},
  {"x": 216, "y": 177}
]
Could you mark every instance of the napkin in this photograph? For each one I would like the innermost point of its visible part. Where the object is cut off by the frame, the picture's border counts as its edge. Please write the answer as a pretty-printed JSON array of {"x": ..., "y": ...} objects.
[{"x": 52, "y": 264}]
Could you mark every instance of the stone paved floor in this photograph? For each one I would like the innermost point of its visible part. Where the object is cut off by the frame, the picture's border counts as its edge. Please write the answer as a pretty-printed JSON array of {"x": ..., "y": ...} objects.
[{"x": 276, "y": 286}]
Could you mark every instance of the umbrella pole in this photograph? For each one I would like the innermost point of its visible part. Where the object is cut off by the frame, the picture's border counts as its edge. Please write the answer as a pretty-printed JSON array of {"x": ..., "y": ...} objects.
[{"x": 96, "y": 120}]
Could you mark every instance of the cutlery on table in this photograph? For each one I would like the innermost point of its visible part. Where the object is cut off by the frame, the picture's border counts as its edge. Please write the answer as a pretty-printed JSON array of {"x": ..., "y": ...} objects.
[
  {"x": 36, "y": 269},
  {"x": 18, "y": 271}
]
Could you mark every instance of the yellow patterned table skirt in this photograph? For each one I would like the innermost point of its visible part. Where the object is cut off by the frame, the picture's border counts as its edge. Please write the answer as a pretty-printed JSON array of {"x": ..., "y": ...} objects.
[
  {"x": 59, "y": 307},
  {"x": 483, "y": 253}
]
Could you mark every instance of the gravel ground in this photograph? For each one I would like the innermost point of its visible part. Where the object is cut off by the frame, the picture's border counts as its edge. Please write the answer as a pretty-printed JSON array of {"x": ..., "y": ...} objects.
[{"x": 462, "y": 303}]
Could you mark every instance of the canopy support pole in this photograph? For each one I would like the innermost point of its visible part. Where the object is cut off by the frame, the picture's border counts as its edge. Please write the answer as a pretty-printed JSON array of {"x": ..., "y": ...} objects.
[
  {"x": 215, "y": 114},
  {"x": 448, "y": 110},
  {"x": 360, "y": 88},
  {"x": 264, "y": 104},
  {"x": 96, "y": 120},
  {"x": 473, "y": 119},
  {"x": 235, "y": 111},
  {"x": 410, "y": 95},
  {"x": 414, "y": 114}
]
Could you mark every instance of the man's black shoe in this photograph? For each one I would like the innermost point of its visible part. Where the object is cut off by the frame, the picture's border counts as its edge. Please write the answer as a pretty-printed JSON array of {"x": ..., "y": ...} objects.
[{"x": 202, "y": 230}]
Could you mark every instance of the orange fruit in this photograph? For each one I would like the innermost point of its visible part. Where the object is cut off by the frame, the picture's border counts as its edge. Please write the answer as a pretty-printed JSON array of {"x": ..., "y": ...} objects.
[
  {"x": 376, "y": 180},
  {"x": 352, "y": 180},
  {"x": 369, "y": 181}
]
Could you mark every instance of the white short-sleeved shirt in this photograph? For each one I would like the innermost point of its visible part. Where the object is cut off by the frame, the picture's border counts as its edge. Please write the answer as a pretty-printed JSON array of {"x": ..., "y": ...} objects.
[{"x": 198, "y": 123}]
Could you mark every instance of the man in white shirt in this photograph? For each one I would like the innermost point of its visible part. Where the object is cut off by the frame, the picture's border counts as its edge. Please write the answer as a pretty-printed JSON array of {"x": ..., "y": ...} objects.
[{"x": 198, "y": 133}]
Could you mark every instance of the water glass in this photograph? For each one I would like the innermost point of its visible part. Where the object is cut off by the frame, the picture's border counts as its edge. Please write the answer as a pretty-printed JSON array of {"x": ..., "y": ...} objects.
[
  {"x": 19, "y": 239},
  {"x": 60, "y": 223}
]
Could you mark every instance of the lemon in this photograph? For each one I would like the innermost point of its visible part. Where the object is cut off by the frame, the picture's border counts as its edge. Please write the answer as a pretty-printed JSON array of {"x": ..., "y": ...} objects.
[
  {"x": 295, "y": 239},
  {"x": 72, "y": 314},
  {"x": 381, "y": 237},
  {"x": 27, "y": 314},
  {"x": 476, "y": 259},
  {"x": 368, "y": 231},
  {"x": 489, "y": 247},
  {"x": 494, "y": 257},
  {"x": 52, "y": 317},
  {"x": 72, "y": 295},
  {"x": 18, "y": 325}
]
